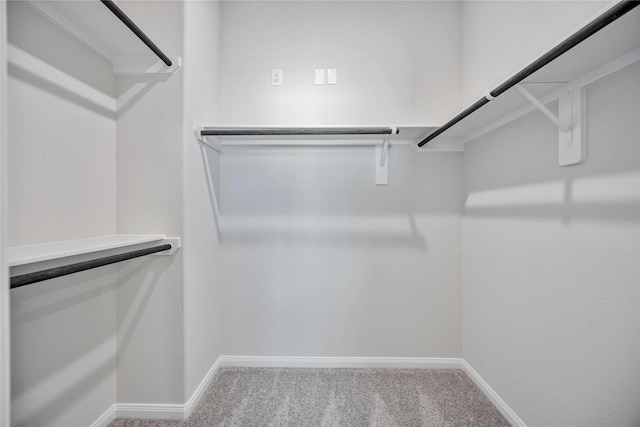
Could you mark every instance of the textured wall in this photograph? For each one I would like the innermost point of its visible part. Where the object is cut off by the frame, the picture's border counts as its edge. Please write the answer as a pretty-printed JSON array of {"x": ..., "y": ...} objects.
[
  {"x": 398, "y": 62},
  {"x": 62, "y": 186},
  {"x": 61, "y": 132},
  {"x": 551, "y": 294},
  {"x": 149, "y": 200},
  {"x": 5, "y": 399},
  {"x": 499, "y": 37},
  {"x": 202, "y": 311},
  {"x": 319, "y": 261}
]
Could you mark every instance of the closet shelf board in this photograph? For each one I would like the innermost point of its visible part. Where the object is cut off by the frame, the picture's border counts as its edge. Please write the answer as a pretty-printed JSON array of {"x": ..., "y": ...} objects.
[
  {"x": 411, "y": 132},
  {"x": 27, "y": 254},
  {"x": 92, "y": 23},
  {"x": 617, "y": 39}
]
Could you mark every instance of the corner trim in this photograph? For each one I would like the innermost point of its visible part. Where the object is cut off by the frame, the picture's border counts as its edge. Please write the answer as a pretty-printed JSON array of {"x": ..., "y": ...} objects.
[
  {"x": 105, "y": 419},
  {"x": 502, "y": 406},
  {"x": 342, "y": 362},
  {"x": 202, "y": 387},
  {"x": 166, "y": 411}
]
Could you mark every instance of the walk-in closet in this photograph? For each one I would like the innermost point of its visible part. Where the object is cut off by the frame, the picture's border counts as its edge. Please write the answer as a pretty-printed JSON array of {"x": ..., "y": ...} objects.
[{"x": 319, "y": 213}]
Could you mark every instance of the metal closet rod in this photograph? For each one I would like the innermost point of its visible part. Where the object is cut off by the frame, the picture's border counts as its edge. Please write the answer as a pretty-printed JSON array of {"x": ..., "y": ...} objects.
[
  {"x": 52, "y": 273},
  {"x": 297, "y": 131},
  {"x": 136, "y": 30},
  {"x": 585, "y": 32}
]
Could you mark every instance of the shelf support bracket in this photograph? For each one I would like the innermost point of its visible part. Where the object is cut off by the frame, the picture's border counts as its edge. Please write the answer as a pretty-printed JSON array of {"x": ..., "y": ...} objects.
[
  {"x": 382, "y": 162},
  {"x": 216, "y": 146},
  {"x": 569, "y": 122},
  {"x": 540, "y": 106}
]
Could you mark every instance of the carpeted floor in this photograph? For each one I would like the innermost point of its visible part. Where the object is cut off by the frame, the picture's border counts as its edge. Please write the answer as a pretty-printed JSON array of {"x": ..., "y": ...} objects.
[{"x": 337, "y": 397}]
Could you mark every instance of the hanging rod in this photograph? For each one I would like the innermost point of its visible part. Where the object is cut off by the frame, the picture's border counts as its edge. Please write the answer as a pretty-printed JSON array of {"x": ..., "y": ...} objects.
[
  {"x": 585, "y": 32},
  {"x": 136, "y": 30},
  {"x": 52, "y": 273},
  {"x": 297, "y": 131}
]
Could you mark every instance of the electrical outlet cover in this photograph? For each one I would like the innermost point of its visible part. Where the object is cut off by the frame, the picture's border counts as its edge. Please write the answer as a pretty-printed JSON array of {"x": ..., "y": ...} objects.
[{"x": 276, "y": 77}]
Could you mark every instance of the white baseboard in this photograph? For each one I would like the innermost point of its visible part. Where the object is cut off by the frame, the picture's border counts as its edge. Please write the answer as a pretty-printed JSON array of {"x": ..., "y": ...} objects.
[
  {"x": 168, "y": 411},
  {"x": 105, "y": 419},
  {"x": 181, "y": 412},
  {"x": 342, "y": 362},
  {"x": 202, "y": 387},
  {"x": 502, "y": 406}
]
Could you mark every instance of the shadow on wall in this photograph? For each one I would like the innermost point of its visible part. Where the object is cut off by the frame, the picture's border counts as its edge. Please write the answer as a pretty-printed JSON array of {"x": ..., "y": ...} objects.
[
  {"x": 56, "y": 63},
  {"x": 529, "y": 183},
  {"x": 327, "y": 196},
  {"x": 133, "y": 88},
  {"x": 43, "y": 388},
  {"x": 336, "y": 231}
]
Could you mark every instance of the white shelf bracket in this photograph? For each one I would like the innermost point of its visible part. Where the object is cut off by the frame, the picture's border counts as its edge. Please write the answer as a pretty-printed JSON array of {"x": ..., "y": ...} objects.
[
  {"x": 569, "y": 122},
  {"x": 382, "y": 162},
  {"x": 217, "y": 146},
  {"x": 540, "y": 106}
]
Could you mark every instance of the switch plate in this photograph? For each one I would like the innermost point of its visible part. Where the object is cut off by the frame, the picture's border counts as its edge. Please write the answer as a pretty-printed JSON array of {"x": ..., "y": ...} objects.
[
  {"x": 319, "y": 76},
  {"x": 332, "y": 76},
  {"x": 276, "y": 77}
]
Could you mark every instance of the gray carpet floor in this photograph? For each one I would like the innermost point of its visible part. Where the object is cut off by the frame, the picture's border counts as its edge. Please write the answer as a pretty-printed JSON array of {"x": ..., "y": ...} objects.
[{"x": 337, "y": 397}]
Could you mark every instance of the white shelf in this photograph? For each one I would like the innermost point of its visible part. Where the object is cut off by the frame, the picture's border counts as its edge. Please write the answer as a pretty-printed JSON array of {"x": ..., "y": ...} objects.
[
  {"x": 606, "y": 46},
  {"x": 28, "y": 254},
  {"x": 94, "y": 25},
  {"x": 408, "y": 132}
]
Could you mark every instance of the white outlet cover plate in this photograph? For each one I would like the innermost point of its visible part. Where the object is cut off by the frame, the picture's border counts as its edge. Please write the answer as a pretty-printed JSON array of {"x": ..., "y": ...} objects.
[
  {"x": 276, "y": 77},
  {"x": 319, "y": 76},
  {"x": 332, "y": 76}
]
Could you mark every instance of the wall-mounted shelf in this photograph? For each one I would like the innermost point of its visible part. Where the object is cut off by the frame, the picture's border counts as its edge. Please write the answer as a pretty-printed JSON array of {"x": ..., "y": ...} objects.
[
  {"x": 105, "y": 28},
  {"x": 230, "y": 135},
  {"x": 118, "y": 248},
  {"x": 380, "y": 137},
  {"x": 609, "y": 46},
  {"x": 29, "y": 254}
]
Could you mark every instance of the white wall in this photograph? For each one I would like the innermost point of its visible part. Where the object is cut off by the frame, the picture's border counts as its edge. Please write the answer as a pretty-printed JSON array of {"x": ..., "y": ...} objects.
[
  {"x": 551, "y": 279},
  {"x": 319, "y": 261},
  {"x": 61, "y": 185},
  {"x": 149, "y": 200},
  {"x": 499, "y": 37},
  {"x": 5, "y": 369},
  {"x": 61, "y": 134},
  {"x": 398, "y": 62},
  {"x": 202, "y": 310}
]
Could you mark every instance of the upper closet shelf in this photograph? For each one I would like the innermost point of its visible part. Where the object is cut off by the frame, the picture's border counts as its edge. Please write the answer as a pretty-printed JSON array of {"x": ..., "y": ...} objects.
[
  {"x": 29, "y": 254},
  {"x": 314, "y": 135},
  {"x": 381, "y": 137},
  {"x": 590, "y": 53},
  {"x": 105, "y": 28}
]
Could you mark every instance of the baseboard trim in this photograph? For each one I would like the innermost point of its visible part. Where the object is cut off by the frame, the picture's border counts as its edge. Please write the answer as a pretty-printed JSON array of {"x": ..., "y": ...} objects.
[
  {"x": 502, "y": 406},
  {"x": 202, "y": 387},
  {"x": 105, "y": 419},
  {"x": 342, "y": 362},
  {"x": 181, "y": 412},
  {"x": 168, "y": 411}
]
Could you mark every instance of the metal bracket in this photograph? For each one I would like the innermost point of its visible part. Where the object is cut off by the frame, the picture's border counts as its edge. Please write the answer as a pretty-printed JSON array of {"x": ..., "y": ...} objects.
[
  {"x": 382, "y": 162},
  {"x": 217, "y": 146},
  {"x": 175, "y": 245},
  {"x": 569, "y": 122}
]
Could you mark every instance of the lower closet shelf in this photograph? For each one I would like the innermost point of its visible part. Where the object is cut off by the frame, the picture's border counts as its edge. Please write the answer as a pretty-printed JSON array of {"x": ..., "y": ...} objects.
[{"x": 32, "y": 254}]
